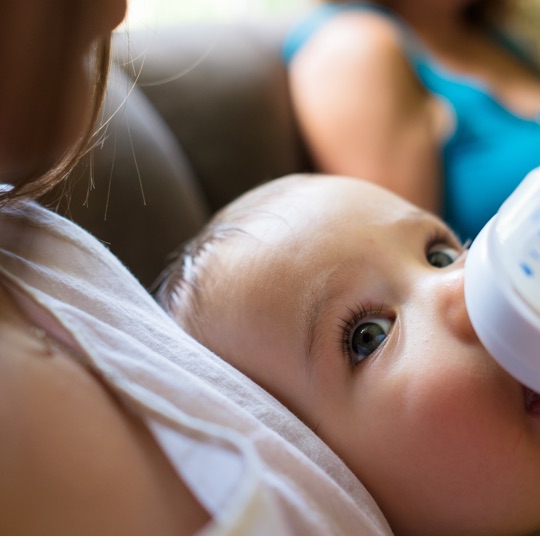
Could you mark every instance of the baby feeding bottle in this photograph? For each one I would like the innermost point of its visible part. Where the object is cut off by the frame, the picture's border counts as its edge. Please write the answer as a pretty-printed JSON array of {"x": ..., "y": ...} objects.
[{"x": 502, "y": 283}]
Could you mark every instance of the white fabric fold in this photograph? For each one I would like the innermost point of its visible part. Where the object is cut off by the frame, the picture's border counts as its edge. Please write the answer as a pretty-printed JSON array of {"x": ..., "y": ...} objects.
[{"x": 250, "y": 461}]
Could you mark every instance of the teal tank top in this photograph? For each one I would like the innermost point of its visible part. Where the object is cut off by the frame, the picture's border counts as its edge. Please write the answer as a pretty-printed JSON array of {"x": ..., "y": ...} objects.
[{"x": 491, "y": 149}]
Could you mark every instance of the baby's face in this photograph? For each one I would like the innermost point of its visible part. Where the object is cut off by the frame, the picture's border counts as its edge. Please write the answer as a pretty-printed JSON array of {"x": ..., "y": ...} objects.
[{"x": 346, "y": 303}]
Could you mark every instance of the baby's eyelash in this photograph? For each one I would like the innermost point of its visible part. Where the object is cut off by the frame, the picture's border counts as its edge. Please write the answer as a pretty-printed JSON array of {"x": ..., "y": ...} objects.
[
  {"x": 348, "y": 324},
  {"x": 443, "y": 236}
]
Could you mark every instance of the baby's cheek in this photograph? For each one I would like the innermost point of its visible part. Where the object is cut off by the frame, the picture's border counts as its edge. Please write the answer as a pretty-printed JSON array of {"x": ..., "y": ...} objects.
[
  {"x": 418, "y": 442},
  {"x": 453, "y": 426},
  {"x": 420, "y": 425}
]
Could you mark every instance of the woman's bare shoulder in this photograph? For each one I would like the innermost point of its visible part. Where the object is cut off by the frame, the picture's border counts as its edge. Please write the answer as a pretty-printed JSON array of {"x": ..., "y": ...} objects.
[
  {"x": 72, "y": 459},
  {"x": 355, "y": 38}
]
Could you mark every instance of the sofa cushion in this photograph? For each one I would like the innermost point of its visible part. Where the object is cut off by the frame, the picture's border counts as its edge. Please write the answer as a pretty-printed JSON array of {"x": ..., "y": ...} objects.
[
  {"x": 223, "y": 91},
  {"x": 138, "y": 193}
]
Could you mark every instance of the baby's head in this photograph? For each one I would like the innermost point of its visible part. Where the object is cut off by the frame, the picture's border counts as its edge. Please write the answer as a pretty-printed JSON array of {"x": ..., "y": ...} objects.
[{"x": 346, "y": 303}]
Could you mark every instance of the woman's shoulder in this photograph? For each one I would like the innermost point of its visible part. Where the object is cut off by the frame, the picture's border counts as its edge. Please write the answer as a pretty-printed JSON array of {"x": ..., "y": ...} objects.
[
  {"x": 351, "y": 28},
  {"x": 358, "y": 49},
  {"x": 355, "y": 44}
]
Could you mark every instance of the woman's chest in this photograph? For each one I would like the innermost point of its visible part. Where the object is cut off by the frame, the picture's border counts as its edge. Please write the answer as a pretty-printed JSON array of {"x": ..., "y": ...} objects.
[{"x": 488, "y": 66}]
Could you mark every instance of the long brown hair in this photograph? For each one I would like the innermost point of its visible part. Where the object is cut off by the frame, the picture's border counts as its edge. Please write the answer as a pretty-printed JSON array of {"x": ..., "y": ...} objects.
[{"x": 39, "y": 182}]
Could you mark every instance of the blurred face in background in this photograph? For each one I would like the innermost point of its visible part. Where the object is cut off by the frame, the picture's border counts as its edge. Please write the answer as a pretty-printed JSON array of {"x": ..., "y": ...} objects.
[{"x": 45, "y": 76}]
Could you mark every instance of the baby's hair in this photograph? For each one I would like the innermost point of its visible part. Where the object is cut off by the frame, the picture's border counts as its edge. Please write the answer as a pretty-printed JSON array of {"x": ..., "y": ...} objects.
[
  {"x": 181, "y": 288},
  {"x": 181, "y": 285}
]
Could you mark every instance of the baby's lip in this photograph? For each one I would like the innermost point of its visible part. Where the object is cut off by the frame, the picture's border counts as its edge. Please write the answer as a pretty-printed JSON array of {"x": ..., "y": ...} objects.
[{"x": 532, "y": 401}]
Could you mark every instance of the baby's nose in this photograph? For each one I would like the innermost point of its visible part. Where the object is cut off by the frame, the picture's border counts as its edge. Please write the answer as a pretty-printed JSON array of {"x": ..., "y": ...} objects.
[{"x": 452, "y": 307}]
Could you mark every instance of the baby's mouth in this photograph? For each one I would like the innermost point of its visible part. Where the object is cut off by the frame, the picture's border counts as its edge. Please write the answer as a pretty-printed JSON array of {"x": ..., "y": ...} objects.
[{"x": 532, "y": 401}]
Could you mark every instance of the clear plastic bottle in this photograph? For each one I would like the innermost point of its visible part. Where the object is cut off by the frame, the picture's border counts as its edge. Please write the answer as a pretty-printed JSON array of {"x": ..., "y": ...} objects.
[{"x": 502, "y": 283}]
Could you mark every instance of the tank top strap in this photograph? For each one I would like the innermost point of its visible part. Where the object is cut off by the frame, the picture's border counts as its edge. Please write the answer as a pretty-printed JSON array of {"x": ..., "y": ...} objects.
[{"x": 316, "y": 19}]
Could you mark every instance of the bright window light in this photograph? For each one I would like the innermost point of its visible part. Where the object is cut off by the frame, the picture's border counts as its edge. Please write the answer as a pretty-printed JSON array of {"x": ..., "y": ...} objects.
[{"x": 156, "y": 13}]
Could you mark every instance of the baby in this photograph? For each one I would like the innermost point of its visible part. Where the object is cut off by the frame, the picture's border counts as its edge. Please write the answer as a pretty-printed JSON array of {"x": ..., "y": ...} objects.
[{"x": 346, "y": 303}]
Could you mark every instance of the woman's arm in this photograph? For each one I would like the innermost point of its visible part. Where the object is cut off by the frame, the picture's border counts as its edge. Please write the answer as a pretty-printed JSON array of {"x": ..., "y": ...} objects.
[{"x": 363, "y": 111}]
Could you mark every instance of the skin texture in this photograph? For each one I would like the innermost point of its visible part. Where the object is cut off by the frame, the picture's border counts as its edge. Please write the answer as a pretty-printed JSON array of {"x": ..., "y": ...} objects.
[
  {"x": 436, "y": 430},
  {"x": 362, "y": 111},
  {"x": 73, "y": 460}
]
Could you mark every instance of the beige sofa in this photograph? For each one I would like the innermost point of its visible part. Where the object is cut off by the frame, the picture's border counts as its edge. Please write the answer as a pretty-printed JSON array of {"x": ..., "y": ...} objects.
[{"x": 208, "y": 116}]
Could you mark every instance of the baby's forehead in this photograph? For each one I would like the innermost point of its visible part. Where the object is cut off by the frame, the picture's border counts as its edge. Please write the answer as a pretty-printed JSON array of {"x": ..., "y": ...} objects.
[
  {"x": 326, "y": 189},
  {"x": 328, "y": 214},
  {"x": 312, "y": 200}
]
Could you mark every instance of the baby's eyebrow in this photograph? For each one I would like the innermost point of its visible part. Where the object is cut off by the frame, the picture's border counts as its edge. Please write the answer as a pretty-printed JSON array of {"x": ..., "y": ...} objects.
[{"x": 318, "y": 302}]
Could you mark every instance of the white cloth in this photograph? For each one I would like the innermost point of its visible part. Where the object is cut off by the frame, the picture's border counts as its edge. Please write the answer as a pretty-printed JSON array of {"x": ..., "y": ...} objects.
[{"x": 252, "y": 464}]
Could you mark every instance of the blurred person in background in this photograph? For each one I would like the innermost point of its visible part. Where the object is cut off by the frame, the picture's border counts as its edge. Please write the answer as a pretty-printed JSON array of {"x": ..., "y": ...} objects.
[{"x": 438, "y": 101}]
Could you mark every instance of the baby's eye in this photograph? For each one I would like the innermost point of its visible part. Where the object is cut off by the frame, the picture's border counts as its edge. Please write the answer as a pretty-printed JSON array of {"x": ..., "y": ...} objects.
[
  {"x": 442, "y": 255},
  {"x": 367, "y": 337}
]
